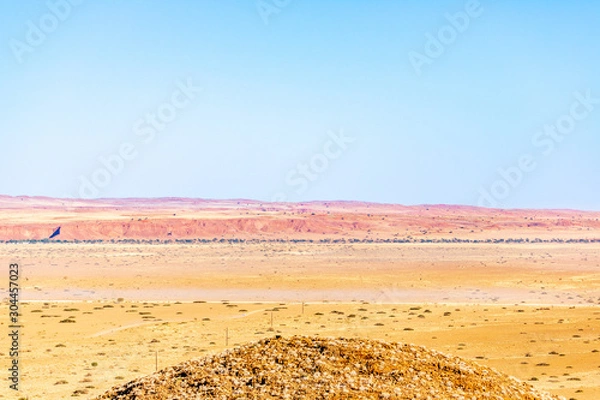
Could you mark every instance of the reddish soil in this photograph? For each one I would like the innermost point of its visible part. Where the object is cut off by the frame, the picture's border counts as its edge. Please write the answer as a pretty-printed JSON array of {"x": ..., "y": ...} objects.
[{"x": 175, "y": 218}]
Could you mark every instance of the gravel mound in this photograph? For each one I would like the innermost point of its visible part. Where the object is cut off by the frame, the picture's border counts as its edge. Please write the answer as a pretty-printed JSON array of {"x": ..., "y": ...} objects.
[{"x": 319, "y": 368}]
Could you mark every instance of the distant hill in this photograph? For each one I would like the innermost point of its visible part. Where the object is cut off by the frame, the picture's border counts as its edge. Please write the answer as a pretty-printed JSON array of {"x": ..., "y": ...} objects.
[{"x": 26, "y": 218}]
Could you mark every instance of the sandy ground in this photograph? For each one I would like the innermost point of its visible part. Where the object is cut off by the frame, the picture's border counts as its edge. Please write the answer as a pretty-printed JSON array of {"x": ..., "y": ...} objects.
[
  {"x": 481, "y": 273},
  {"x": 529, "y": 310},
  {"x": 110, "y": 343}
]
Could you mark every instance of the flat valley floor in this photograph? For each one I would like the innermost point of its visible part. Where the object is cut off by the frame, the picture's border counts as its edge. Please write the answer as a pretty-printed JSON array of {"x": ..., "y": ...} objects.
[{"x": 99, "y": 315}]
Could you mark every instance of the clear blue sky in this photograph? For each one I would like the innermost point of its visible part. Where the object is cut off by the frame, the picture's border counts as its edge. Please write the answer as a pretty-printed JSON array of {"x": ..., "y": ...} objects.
[{"x": 273, "y": 93}]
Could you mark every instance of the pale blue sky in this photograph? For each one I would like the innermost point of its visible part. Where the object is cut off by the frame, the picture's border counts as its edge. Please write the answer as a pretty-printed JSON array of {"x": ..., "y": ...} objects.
[{"x": 273, "y": 93}]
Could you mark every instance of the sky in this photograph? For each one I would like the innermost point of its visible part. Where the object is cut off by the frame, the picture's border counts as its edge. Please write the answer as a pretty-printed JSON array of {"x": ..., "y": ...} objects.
[{"x": 484, "y": 103}]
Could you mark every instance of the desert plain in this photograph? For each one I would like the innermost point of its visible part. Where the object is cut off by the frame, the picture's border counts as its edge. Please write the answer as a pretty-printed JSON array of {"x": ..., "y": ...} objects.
[{"x": 131, "y": 286}]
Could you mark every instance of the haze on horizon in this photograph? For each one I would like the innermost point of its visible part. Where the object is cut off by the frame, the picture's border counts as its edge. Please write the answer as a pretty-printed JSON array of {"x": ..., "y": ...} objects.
[{"x": 388, "y": 102}]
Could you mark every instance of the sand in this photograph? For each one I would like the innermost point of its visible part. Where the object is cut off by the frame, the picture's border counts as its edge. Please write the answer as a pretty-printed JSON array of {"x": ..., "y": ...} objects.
[{"x": 513, "y": 307}]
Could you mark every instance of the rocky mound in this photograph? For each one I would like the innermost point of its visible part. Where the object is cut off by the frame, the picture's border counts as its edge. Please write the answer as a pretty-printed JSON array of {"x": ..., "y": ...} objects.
[{"x": 316, "y": 368}]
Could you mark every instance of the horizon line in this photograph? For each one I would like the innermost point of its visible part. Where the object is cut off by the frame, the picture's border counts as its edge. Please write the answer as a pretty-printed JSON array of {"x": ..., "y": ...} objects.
[{"x": 216, "y": 200}]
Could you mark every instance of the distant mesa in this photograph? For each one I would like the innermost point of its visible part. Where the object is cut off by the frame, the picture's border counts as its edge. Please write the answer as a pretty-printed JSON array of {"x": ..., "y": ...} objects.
[{"x": 164, "y": 219}]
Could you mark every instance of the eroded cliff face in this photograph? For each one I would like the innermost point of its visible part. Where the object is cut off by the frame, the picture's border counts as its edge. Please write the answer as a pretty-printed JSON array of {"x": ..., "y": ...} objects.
[{"x": 26, "y": 218}]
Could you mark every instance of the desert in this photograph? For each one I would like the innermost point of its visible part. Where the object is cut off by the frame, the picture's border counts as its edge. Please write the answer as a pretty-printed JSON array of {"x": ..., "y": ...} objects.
[
  {"x": 115, "y": 297},
  {"x": 279, "y": 199}
]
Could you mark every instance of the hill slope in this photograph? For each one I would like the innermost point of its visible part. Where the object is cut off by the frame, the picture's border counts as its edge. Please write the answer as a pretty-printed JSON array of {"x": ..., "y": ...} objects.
[{"x": 315, "y": 368}]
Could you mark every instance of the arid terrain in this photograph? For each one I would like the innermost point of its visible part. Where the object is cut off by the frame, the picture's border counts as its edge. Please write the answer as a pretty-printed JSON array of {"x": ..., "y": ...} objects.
[
  {"x": 175, "y": 218},
  {"x": 132, "y": 285},
  {"x": 321, "y": 368}
]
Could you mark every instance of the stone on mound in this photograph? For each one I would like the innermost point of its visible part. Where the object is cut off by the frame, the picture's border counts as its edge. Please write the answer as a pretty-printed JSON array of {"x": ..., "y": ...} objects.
[{"x": 319, "y": 368}]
